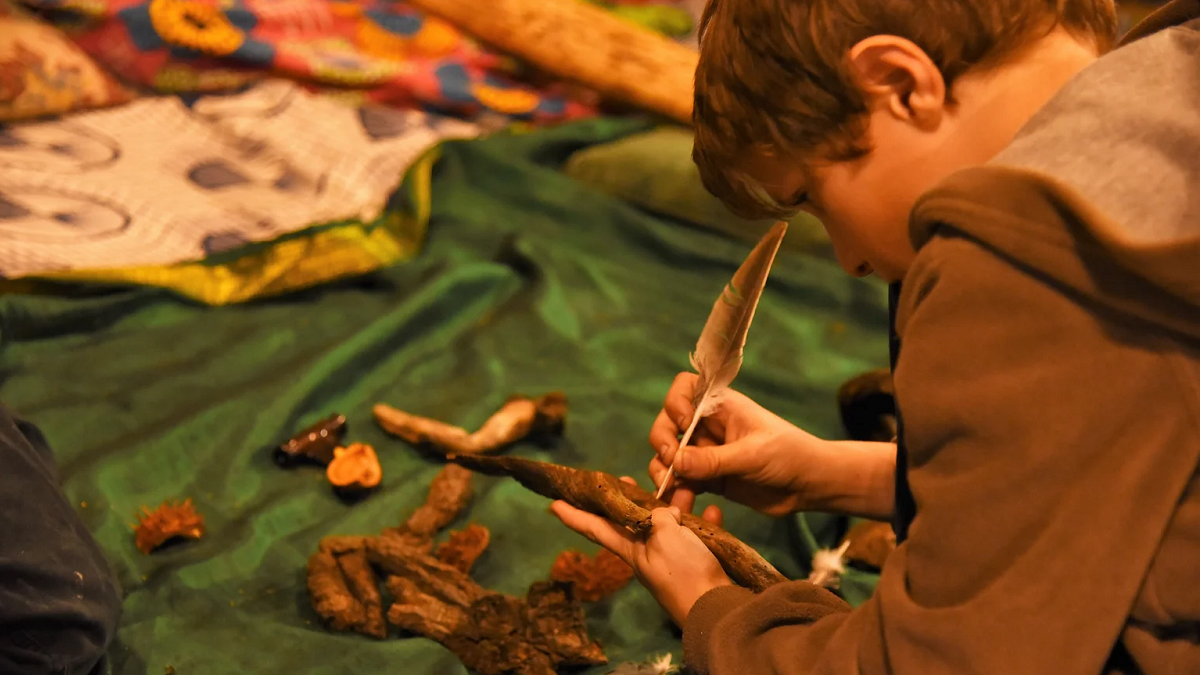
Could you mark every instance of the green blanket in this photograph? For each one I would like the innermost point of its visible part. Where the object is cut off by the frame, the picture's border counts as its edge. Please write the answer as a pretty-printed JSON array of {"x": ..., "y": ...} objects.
[{"x": 530, "y": 282}]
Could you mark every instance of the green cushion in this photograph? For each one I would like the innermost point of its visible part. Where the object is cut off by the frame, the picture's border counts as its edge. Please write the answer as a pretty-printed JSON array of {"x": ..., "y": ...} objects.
[{"x": 654, "y": 170}]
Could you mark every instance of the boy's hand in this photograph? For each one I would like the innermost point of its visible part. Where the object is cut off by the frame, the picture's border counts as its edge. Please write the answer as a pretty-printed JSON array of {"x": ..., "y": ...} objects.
[
  {"x": 742, "y": 451},
  {"x": 673, "y": 564}
]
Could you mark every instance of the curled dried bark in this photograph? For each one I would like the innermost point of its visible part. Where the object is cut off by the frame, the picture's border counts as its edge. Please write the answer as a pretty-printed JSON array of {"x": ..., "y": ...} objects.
[
  {"x": 596, "y": 577},
  {"x": 343, "y": 587},
  {"x": 464, "y": 547},
  {"x": 626, "y": 505},
  {"x": 492, "y": 633},
  {"x": 518, "y": 418},
  {"x": 870, "y": 543},
  {"x": 354, "y": 469},
  {"x": 449, "y": 494},
  {"x": 167, "y": 522}
]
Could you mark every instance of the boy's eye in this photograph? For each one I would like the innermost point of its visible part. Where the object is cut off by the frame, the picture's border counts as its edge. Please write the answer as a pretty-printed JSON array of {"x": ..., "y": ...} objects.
[{"x": 799, "y": 200}]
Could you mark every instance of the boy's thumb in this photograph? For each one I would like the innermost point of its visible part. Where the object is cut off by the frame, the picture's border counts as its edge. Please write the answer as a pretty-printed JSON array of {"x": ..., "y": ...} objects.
[{"x": 712, "y": 461}]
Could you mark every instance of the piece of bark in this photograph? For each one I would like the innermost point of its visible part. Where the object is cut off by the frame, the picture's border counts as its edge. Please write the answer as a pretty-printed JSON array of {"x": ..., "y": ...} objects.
[
  {"x": 464, "y": 547},
  {"x": 867, "y": 405},
  {"x": 331, "y": 595},
  {"x": 595, "y": 577},
  {"x": 361, "y": 582},
  {"x": 355, "y": 469},
  {"x": 492, "y": 633},
  {"x": 518, "y": 418},
  {"x": 450, "y": 491},
  {"x": 870, "y": 544},
  {"x": 583, "y": 43},
  {"x": 626, "y": 505},
  {"x": 167, "y": 522}
]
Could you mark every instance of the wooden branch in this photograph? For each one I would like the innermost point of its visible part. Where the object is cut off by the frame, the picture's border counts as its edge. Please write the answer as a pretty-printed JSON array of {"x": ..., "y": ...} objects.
[
  {"x": 520, "y": 417},
  {"x": 587, "y": 44},
  {"x": 627, "y": 505}
]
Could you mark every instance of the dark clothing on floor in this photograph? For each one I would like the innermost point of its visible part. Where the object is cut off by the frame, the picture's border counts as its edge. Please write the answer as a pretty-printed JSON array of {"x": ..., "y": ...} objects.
[{"x": 59, "y": 600}]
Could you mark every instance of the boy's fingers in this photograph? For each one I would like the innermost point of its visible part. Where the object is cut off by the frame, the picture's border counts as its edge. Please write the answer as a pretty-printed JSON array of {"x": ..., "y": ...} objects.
[
  {"x": 628, "y": 479},
  {"x": 713, "y": 514},
  {"x": 678, "y": 403},
  {"x": 596, "y": 529},
  {"x": 715, "y": 461},
  {"x": 664, "y": 435},
  {"x": 683, "y": 499}
]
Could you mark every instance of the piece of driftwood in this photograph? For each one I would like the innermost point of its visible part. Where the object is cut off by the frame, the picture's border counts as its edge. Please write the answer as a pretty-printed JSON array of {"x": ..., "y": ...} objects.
[
  {"x": 595, "y": 577},
  {"x": 867, "y": 404},
  {"x": 167, "y": 522},
  {"x": 581, "y": 42},
  {"x": 520, "y": 417},
  {"x": 626, "y": 505}
]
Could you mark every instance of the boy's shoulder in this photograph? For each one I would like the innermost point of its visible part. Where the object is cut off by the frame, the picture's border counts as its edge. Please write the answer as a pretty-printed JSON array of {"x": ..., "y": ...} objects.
[{"x": 1094, "y": 192}]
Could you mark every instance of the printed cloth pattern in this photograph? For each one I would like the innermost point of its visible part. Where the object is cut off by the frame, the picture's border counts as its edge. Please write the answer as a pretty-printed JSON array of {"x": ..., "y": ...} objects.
[{"x": 157, "y": 182}]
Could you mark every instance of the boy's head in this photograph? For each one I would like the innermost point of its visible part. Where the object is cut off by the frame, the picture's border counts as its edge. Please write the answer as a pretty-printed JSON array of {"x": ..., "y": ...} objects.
[{"x": 852, "y": 108}]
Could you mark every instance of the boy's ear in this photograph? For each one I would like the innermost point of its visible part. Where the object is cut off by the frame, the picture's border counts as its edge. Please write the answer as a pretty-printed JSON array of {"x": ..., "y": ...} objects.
[{"x": 899, "y": 75}]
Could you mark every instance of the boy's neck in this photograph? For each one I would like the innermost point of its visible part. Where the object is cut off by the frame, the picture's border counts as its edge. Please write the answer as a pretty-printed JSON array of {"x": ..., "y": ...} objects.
[{"x": 997, "y": 102}]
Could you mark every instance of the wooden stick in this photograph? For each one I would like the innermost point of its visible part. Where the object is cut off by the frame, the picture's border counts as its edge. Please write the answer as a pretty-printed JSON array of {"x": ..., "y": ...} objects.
[
  {"x": 625, "y": 504},
  {"x": 581, "y": 42}
]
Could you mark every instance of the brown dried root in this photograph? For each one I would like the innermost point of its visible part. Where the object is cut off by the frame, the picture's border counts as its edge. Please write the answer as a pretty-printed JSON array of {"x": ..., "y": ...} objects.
[
  {"x": 492, "y": 633},
  {"x": 354, "y": 468},
  {"x": 464, "y": 547},
  {"x": 595, "y": 578},
  {"x": 626, "y": 505},
  {"x": 870, "y": 544},
  {"x": 518, "y": 418},
  {"x": 167, "y": 522}
]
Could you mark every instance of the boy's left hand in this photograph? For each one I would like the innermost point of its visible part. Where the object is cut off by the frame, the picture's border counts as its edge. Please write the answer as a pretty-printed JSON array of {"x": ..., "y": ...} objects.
[{"x": 672, "y": 563}]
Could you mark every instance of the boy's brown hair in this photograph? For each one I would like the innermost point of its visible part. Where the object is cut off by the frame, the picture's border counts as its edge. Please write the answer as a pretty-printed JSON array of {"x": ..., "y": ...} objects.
[{"x": 773, "y": 74}]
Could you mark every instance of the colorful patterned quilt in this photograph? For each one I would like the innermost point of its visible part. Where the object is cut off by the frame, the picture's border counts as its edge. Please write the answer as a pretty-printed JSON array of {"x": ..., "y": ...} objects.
[{"x": 379, "y": 51}]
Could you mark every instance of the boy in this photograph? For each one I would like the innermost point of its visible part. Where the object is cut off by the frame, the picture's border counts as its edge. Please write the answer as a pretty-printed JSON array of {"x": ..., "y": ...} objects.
[{"x": 1035, "y": 192}]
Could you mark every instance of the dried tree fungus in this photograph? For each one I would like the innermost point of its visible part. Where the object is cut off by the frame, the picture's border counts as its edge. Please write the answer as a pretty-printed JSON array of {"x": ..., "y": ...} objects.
[
  {"x": 464, "y": 547},
  {"x": 313, "y": 445},
  {"x": 492, "y": 633},
  {"x": 354, "y": 470},
  {"x": 167, "y": 522},
  {"x": 867, "y": 404},
  {"x": 518, "y": 418},
  {"x": 596, "y": 577},
  {"x": 626, "y": 505},
  {"x": 870, "y": 544}
]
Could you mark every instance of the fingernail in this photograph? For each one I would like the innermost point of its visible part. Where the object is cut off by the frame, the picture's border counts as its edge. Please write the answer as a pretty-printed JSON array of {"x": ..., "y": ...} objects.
[{"x": 663, "y": 450}]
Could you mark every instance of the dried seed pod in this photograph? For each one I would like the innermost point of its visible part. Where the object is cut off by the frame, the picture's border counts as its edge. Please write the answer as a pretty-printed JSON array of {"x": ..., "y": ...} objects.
[
  {"x": 314, "y": 445},
  {"x": 167, "y": 522},
  {"x": 354, "y": 469}
]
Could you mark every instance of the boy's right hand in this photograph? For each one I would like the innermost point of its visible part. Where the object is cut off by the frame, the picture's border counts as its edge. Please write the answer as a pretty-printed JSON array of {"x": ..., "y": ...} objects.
[{"x": 742, "y": 451}]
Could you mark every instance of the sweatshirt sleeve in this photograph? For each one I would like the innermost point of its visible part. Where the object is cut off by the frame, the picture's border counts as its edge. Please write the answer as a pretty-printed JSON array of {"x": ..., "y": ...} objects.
[
  {"x": 1049, "y": 444},
  {"x": 59, "y": 599}
]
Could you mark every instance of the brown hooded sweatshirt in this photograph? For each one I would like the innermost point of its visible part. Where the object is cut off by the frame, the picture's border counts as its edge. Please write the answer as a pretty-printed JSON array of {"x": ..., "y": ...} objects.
[{"x": 1050, "y": 385}]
